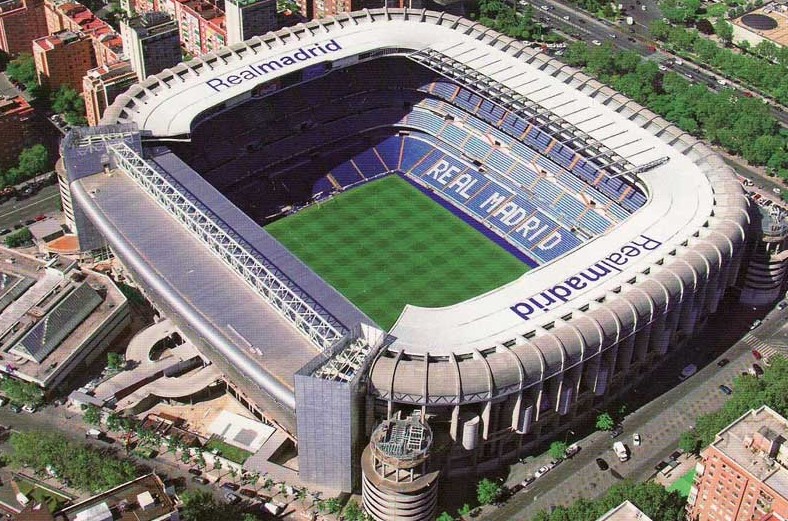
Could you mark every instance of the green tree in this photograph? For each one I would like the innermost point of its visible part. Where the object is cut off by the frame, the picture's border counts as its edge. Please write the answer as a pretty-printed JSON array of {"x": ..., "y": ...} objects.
[
  {"x": 91, "y": 414},
  {"x": 488, "y": 491},
  {"x": 23, "y": 70},
  {"x": 689, "y": 442},
  {"x": 464, "y": 510},
  {"x": 330, "y": 506},
  {"x": 115, "y": 361},
  {"x": 353, "y": 512},
  {"x": 680, "y": 11},
  {"x": 17, "y": 239},
  {"x": 33, "y": 161},
  {"x": 444, "y": 516},
  {"x": 198, "y": 505},
  {"x": 67, "y": 101},
  {"x": 21, "y": 392},
  {"x": 604, "y": 422},
  {"x": 558, "y": 450},
  {"x": 724, "y": 31}
]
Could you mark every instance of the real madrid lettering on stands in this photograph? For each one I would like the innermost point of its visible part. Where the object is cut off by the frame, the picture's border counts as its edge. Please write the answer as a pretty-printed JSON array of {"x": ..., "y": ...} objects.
[
  {"x": 561, "y": 293},
  {"x": 260, "y": 69}
]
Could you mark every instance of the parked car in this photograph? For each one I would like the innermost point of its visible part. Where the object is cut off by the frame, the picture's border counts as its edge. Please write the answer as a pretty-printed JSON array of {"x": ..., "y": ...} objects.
[
  {"x": 201, "y": 480},
  {"x": 756, "y": 354},
  {"x": 40, "y": 217},
  {"x": 756, "y": 324},
  {"x": 572, "y": 450},
  {"x": 527, "y": 481},
  {"x": 232, "y": 498},
  {"x": 544, "y": 469},
  {"x": 782, "y": 305},
  {"x": 688, "y": 371},
  {"x": 3, "y": 400},
  {"x": 596, "y": 42},
  {"x": 15, "y": 408},
  {"x": 195, "y": 472},
  {"x": 616, "y": 432},
  {"x": 723, "y": 362},
  {"x": 32, "y": 408},
  {"x": 230, "y": 486},
  {"x": 636, "y": 440},
  {"x": 726, "y": 390},
  {"x": 758, "y": 370},
  {"x": 5, "y": 231},
  {"x": 602, "y": 464}
]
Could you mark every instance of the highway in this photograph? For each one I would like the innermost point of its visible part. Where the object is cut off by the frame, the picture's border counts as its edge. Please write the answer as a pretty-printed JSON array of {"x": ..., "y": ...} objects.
[{"x": 579, "y": 25}]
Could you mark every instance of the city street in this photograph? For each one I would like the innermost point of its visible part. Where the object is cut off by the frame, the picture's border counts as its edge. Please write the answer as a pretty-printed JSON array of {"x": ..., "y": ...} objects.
[
  {"x": 660, "y": 422},
  {"x": 46, "y": 201}
]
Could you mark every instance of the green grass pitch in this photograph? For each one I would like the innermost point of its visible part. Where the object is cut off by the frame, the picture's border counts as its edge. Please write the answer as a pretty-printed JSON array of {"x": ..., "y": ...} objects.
[{"x": 385, "y": 244}]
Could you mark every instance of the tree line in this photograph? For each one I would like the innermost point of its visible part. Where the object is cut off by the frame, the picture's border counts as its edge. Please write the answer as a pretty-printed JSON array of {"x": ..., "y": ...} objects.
[
  {"x": 507, "y": 19},
  {"x": 31, "y": 162},
  {"x": 82, "y": 466},
  {"x": 742, "y": 126},
  {"x": 650, "y": 497}
]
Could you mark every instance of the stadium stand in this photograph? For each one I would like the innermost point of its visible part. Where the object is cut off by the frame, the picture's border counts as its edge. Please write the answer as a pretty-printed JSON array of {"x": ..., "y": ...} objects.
[{"x": 347, "y": 130}]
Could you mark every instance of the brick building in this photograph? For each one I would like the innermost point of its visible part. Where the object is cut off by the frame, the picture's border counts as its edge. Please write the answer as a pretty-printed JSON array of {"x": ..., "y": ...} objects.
[
  {"x": 201, "y": 23},
  {"x": 17, "y": 130},
  {"x": 744, "y": 473},
  {"x": 21, "y": 22},
  {"x": 102, "y": 85},
  {"x": 72, "y": 16},
  {"x": 63, "y": 58}
]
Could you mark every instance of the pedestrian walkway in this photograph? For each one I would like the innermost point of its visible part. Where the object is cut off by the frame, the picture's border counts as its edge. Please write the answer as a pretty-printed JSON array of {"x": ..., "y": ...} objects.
[{"x": 766, "y": 350}]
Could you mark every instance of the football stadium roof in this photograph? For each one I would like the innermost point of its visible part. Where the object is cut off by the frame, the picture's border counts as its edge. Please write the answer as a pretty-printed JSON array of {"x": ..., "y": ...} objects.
[
  {"x": 694, "y": 215},
  {"x": 167, "y": 105}
]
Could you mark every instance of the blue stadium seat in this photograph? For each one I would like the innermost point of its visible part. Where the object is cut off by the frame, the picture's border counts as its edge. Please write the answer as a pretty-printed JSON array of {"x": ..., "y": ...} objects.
[
  {"x": 369, "y": 164},
  {"x": 413, "y": 152},
  {"x": 389, "y": 150},
  {"x": 346, "y": 175},
  {"x": 322, "y": 185}
]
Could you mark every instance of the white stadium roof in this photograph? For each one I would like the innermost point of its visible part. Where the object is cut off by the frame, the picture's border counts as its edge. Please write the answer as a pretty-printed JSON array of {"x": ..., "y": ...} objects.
[{"x": 692, "y": 198}]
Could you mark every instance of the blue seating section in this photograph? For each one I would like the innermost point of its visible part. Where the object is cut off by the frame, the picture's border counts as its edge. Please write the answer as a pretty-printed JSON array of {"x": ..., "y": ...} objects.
[
  {"x": 506, "y": 210},
  {"x": 368, "y": 162},
  {"x": 389, "y": 150},
  {"x": 620, "y": 191}
]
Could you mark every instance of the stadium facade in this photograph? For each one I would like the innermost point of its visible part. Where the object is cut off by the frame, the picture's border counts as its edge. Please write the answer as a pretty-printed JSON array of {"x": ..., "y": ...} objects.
[{"x": 635, "y": 230}]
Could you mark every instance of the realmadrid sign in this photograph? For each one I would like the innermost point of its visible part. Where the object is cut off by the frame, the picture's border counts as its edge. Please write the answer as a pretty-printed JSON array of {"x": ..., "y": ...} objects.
[{"x": 260, "y": 69}]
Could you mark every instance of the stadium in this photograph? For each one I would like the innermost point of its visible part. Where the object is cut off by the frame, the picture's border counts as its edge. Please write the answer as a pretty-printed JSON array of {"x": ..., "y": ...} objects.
[{"x": 402, "y": 223}]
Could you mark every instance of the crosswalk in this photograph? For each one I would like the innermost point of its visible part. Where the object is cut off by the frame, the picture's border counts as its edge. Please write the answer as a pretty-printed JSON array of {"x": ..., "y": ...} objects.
[{"x": 765, "y": 349}]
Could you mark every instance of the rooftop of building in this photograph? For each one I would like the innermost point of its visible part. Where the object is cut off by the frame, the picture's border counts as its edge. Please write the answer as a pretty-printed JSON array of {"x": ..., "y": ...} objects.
[
  {"x": 13, "y": 105},
  {"x": 58, "y": 39},
  {"x": 756, "y": 443},
  {"x": 774, "y": 220},
  {"x": 402, "y": 439},
  {"x": 117, "y": 71},
  {"x": 143, "y": 499},
  {"x": 626, "y": 511},
  {"x": 47, "y": 311},
  {"x": 7, "y": 6},
  {"x": 91, "y": 25}
]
